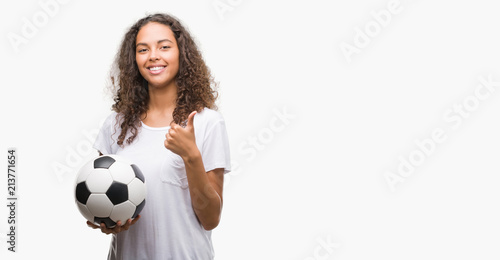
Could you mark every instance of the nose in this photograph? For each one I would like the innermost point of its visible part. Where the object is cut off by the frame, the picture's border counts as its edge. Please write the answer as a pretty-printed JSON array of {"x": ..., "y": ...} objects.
[{"x": 153, "y": 55}]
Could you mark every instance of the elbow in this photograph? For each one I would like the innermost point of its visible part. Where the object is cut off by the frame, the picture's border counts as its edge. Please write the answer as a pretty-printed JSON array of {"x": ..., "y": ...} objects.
[{"x": 209, "y": 225}]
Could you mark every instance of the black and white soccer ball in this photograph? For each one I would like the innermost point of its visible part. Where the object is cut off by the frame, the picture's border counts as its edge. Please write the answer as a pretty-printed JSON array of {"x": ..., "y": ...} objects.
[{"x": 109, "y": 189}]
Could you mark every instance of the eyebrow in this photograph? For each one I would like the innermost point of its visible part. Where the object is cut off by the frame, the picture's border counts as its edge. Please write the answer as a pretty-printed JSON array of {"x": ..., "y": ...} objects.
[{"x": 160, "y": 41}]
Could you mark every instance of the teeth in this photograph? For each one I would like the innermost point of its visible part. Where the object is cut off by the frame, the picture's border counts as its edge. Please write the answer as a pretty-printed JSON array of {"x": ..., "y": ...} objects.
[{"x": 156, "y": 68}]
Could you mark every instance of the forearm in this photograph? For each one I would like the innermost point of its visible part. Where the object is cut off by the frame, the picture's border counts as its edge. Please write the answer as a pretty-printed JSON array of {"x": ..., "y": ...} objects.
[{"x": 206, "y": 201}]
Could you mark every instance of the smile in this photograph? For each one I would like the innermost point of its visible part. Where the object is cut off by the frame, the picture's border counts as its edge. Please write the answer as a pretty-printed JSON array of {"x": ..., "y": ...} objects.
[{"x": 156, "y": 70}]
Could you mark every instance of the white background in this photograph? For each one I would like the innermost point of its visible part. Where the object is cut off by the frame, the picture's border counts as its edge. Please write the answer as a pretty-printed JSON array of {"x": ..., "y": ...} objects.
[{"x": 321, "y": 176}]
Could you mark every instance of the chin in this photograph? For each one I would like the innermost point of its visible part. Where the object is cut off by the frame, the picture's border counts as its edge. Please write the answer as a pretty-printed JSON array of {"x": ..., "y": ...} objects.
[{"x": 159, "y": 84}]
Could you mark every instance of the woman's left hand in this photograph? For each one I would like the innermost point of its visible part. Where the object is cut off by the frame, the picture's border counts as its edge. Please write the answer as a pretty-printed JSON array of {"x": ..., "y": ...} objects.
[
  {"x": 118, "y": 227},
  {"x": 180, "y": 140}
]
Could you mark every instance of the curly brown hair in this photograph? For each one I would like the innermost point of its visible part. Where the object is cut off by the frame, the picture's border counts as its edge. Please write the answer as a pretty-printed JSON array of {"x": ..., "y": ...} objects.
[{"x": 196, "y": 88}]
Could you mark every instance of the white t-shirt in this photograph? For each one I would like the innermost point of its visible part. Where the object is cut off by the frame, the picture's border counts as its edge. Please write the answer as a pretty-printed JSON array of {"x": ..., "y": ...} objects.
[{"x": 168, "y": 228}]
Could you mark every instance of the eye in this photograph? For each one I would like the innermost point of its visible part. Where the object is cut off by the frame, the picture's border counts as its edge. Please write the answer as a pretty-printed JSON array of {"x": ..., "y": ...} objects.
[
  {"x": 165, "y": 47},
  {"x": 141, "y": 50}
]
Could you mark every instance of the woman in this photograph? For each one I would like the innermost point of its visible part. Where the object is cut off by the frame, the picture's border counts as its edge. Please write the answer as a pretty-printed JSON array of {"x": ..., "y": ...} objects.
[{"x": 164, "y": 122}]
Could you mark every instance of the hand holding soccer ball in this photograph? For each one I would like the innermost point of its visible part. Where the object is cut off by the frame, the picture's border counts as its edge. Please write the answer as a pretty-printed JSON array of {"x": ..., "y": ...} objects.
[
  {"x": 110, "y": 193},
  {"x": 117, "y": 229}
]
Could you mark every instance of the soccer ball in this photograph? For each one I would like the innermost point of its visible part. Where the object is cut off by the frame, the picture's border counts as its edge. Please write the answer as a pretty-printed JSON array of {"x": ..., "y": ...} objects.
[{"x": 109, "y": 189}]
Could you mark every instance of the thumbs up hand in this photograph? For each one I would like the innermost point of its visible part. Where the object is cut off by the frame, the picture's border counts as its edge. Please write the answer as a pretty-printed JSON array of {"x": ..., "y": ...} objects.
[{"x": 181, "y": 140}]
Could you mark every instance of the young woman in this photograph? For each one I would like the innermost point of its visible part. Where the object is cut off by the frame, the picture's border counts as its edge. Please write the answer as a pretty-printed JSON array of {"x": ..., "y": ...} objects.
[{"x": 164, "y": 121}]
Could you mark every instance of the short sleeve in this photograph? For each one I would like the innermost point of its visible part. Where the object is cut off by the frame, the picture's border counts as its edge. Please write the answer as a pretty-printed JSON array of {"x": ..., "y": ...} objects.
[
  {"x": 104, "y": 141},
  {"x": 215, "y": 150}
]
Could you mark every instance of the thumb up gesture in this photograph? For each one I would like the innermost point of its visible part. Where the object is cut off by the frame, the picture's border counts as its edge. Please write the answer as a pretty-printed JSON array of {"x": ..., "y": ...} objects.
[{"x": 180, "y": 140}]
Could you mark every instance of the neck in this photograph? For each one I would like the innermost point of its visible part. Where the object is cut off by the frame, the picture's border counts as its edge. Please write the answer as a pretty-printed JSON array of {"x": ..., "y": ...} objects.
[{"x": 162, "y": 100}]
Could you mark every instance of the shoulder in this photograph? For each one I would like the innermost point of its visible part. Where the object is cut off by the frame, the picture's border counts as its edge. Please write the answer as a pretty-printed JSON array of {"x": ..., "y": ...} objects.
[
  {"x": 112, "y": 118},
  {"x": 207, "y": 119},
  {"x": 209, "y": 115},
  {"x": 105, "y": 141},
  {"x": 110, "y": 122}
]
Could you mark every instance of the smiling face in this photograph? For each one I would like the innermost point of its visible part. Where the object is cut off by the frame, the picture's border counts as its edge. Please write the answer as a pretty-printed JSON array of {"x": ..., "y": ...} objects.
[{"x": 157, "y": 55}]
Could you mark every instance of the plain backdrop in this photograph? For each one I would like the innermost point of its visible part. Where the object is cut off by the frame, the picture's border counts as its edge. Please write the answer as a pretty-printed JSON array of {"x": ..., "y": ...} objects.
[{"x": 314, "y": 126}]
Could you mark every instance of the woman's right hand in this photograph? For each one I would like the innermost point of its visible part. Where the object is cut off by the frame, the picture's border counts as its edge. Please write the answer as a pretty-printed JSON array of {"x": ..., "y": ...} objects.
[{"x": 117, "y": 229}]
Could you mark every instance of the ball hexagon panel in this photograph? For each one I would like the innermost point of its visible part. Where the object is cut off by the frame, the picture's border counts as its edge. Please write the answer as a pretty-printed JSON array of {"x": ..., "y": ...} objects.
[
  {"x": 121, "y": 172},
  {"x": 99, "y": 181},
  {"x": 99, "y": 205},
  {"x": 117, "y": 193},
  {"x": 122, "y": 212},
  {"x": 104, "y": 162},
  {"x": 139, "y": 193},
  {"x": 85, "y": 211},
  {"x": 82, "y": 193}
]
